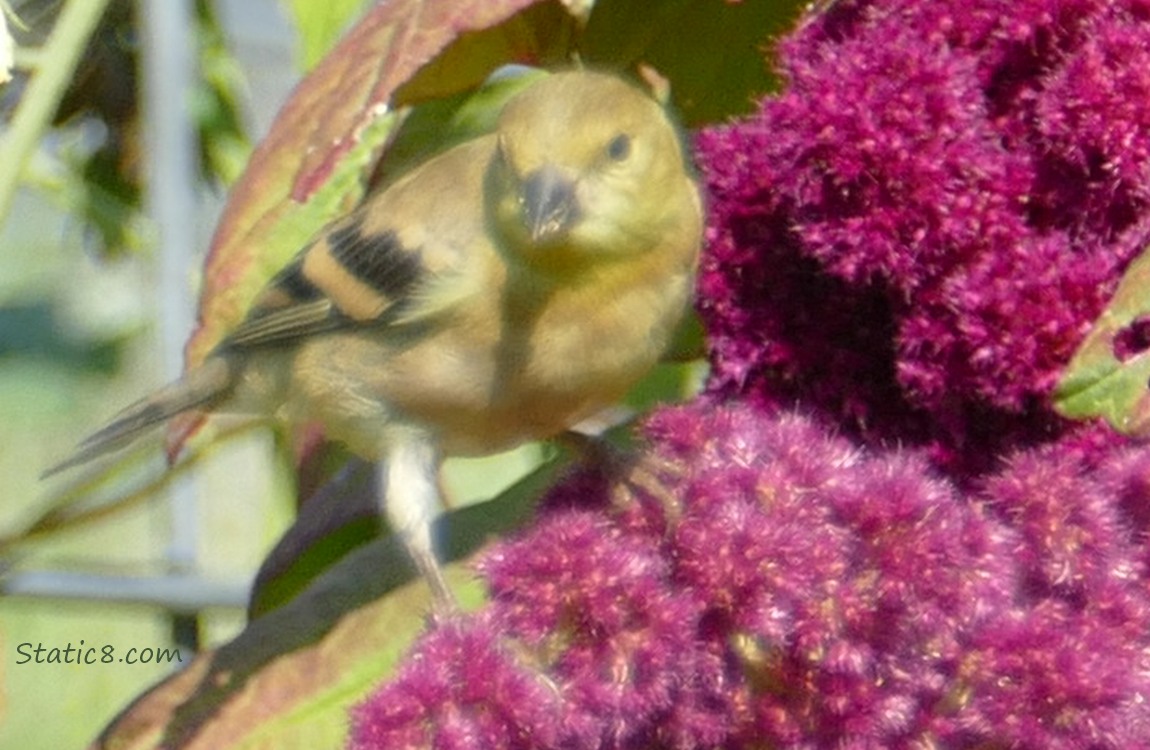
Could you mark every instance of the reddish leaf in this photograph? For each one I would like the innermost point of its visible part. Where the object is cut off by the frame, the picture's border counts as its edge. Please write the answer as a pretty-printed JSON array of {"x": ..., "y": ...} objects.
[
  {"x": 288, "y": 680},
  {"x": 142, "y": 724}
]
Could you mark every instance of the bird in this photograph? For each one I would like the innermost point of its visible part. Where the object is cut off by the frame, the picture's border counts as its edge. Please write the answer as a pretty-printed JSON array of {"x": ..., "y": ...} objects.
[{"x": 500, "y": 292}]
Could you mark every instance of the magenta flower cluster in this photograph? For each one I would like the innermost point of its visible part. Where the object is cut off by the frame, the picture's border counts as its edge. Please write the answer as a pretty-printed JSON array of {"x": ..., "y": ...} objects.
[
  {"x": 871, "y": 531},
  {"x": 915, "y": 235},
  {"x": 798, "y": 592}
]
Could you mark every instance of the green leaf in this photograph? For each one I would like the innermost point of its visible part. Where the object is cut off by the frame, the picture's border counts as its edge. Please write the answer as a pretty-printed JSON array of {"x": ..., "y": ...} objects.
[
  {"x": 320, "y": 24},
  {"x": 1109, "y": 375},
  {"x": 339, "y": 517},
  {"x": 714, "y": 53},
  {"x": 439, "y": 124}
]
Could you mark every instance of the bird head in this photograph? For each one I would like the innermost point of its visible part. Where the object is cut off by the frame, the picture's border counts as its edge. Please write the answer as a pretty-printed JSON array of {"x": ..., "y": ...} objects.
[{"x": 583, "y": 168}]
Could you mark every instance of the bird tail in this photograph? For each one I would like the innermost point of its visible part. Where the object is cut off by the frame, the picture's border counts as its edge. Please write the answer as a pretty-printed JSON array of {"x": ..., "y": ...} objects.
[{"x": 199, "y": 387}]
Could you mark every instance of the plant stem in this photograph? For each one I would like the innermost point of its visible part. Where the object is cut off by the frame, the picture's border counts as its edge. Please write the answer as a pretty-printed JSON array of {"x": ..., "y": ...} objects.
[{"x": 58, "y": 61}]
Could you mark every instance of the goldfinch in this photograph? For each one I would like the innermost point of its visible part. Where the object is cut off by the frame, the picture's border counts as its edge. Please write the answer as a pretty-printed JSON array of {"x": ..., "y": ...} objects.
[{"x": 501, "y": 292}]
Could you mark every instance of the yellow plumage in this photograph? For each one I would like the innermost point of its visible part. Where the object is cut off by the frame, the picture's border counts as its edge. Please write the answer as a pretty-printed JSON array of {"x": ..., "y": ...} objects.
[{"x": 503, "y": 291}]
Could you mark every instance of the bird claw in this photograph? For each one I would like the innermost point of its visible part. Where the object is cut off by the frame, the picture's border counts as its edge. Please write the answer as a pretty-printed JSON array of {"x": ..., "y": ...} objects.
[{"x": 635, "y": 476}]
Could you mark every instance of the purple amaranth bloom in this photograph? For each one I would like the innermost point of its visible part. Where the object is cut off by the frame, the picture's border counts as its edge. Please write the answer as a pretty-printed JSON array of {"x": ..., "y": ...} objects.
[
  {"x": 914, "y": 236},
  {"x": 1073, "y": 652},
  {"x": 461, "y": 690},
  {"x": 756, "y": 581}
]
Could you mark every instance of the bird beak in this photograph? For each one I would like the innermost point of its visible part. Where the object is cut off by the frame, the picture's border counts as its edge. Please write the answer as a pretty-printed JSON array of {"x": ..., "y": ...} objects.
[{"x": 549, "y": 203}]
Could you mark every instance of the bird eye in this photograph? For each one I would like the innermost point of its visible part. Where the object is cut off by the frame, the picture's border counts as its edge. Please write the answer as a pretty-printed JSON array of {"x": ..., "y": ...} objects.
[{"x": 619, "y": 148}]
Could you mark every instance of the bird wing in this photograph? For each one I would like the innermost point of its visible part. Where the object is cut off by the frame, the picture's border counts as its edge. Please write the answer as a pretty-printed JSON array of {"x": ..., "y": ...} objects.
[
  {"x": 348, "y": 277},
  {"x": 403, "y": 256}
]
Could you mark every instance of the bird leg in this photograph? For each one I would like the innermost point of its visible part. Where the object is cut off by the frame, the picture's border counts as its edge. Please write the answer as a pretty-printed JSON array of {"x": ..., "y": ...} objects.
[{"x": 409, "y": 491}]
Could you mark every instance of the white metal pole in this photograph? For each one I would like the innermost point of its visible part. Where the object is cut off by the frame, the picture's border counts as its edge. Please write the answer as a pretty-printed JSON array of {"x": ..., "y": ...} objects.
[{"x": 168, "y": 70}]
